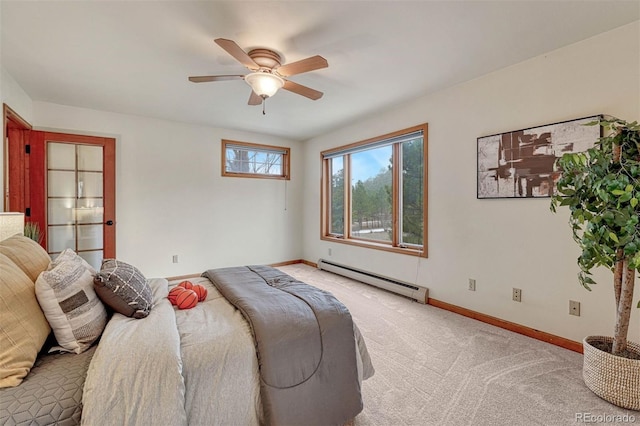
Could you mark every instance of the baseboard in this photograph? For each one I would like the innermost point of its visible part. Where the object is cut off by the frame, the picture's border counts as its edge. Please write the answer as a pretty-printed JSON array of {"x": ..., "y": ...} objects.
[
  {"x": 508, "y": 325},
  {"x": 275, "y": 265},
  {"x": 306, "y": 262},
  {"x": 182, "y": 277},
  {"x": 288, "y": 262}
]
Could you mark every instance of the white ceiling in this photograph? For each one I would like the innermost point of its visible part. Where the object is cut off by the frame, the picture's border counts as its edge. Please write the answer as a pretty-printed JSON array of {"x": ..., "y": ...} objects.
[{"x": 134, "y": 57}]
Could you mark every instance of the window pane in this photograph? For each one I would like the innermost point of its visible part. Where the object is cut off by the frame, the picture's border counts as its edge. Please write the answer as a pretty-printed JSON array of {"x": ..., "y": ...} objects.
[
  {"x": 89, "y": 210},
  {"x": 60, "y": 238},
  {"x": 94, "y": 258},
  {"x": 90, "y": 184},
  {"x": 90, "y": 237},
  {"x": 272, "y": 164},
  {"x": 90, "y": 158},
  {"x": 275, "y": 169},
  {"x": 253, "y": 162},
  {"x": 412, "y": 192},
  {"x": 61, "y": 156},
  {"x": 237, "y": 160},
  {"x": 371, "y": 183},
  {"x": 60, "y": 211},
  {"x": 336, "y": 221}
]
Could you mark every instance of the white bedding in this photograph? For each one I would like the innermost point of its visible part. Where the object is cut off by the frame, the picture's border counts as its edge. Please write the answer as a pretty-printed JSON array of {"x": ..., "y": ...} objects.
[
  {"x": 178, "y": 367},
  {"x": 221, "y": 368},
  {"x": 135, "y": 376}
]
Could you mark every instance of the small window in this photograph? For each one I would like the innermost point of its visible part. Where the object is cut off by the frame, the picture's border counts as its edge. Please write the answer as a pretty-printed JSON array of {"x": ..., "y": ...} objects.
[
  {"x": 242, "y": 159},
  {"x": 374, "y": 192}
]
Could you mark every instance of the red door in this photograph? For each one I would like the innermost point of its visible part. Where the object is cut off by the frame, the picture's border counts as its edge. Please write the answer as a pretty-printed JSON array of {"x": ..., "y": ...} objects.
[{"x": 72, "y": 193}]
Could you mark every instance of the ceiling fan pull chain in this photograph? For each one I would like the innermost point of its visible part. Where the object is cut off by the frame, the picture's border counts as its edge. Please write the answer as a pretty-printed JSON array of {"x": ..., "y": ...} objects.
[{"x": 264, "y": 101}]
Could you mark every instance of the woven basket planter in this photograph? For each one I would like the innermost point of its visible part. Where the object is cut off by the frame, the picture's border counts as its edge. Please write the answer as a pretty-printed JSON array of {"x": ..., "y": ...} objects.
[{"x": 612, "y": 378}]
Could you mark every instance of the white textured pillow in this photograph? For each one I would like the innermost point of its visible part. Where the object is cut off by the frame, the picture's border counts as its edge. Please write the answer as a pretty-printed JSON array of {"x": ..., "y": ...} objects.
[{"x": 71, "y": 306}]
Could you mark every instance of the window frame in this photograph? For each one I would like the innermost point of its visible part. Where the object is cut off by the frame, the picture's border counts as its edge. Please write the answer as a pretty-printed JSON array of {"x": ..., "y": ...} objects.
[
  {"x": 283, "y": 150},
  {"x": 394, "y": 245}
]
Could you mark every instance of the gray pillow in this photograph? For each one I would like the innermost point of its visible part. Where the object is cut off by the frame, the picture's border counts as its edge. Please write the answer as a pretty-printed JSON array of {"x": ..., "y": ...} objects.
[{"x": 123, "y": 287}]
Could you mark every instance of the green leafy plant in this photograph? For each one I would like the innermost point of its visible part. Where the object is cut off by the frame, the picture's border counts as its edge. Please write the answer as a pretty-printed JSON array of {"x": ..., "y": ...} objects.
[
  {"x": 601, "y": 187},
  {"x": 32, "y": 230}
]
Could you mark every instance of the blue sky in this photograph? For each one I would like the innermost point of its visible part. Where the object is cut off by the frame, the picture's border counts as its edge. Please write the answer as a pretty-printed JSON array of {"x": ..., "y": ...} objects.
[{"x": 368, "y": 163}]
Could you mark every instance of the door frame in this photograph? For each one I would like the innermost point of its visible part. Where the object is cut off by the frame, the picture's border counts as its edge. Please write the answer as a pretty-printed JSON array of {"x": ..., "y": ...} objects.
[{"x": 16, "y": 168}]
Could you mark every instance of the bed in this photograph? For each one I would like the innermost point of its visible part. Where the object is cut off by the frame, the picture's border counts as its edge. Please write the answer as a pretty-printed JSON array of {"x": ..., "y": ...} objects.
[
  {"x": 50, "y": 394},
  {"x": 184, "y": 367}
]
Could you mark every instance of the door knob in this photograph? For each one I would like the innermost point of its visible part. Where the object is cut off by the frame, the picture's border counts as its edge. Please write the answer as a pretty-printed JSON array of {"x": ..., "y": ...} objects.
[{"x": 109, "y": 223}]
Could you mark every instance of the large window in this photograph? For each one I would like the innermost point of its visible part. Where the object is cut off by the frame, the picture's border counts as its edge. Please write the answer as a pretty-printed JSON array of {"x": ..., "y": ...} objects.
[
  {"x": 242, "y": 159},
  {"x": 374, "y": 192}
]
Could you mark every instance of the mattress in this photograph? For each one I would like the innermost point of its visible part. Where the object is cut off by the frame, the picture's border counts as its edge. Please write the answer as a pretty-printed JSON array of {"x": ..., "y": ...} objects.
[{"x": 50, "y": 394}]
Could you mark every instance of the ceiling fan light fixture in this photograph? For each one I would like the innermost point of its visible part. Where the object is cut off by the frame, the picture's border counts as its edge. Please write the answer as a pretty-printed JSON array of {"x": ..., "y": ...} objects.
[{"x": 264, "y": 84}]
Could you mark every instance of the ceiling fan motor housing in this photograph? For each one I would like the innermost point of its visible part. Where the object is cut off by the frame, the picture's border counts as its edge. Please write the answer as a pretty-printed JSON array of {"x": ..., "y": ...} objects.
[{"x": 267, "y": 59}]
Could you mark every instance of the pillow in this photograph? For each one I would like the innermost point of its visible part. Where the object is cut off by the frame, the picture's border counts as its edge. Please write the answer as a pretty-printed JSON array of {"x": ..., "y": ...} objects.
[
  {"x": 123, "y": 287},
  {"x": 69, "y": 254},
  {"x": 23, "y": 327},
  {"x": 26, "y": 254},
  {"x": 71, "y": 306}
]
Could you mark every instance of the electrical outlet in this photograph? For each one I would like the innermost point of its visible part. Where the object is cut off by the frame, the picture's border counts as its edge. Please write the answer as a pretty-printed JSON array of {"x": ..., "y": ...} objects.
[
  {"x": 574, "y": 308},
  {"x": 472, "y": 284},
  {"x": 175, "y": 258},
  {"x": 517, "y": 295},
  {"x": 329, "y": 251}
]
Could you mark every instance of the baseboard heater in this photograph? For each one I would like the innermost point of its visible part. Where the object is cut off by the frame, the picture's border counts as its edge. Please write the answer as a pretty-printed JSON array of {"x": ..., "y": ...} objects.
[{"x": 417, "y": 293}]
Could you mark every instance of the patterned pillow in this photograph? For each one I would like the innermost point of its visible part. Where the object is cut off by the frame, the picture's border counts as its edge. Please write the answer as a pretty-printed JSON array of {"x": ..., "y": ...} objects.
[
  {"x": 69, "y": 254},
  {"x": 74, "y": 311},
  {"x": 123, "y": 288}
]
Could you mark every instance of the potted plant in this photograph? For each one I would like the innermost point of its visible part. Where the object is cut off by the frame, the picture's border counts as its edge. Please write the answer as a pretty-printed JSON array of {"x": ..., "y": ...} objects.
[
  {"x": 32, "y": 230},
  {"x": 601, "y": 187}
]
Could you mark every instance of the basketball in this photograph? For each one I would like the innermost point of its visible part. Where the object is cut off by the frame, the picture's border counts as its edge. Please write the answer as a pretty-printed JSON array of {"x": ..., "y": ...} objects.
[
  {"x": 186, "y": 284},
  {"x": 187, "y": 299},
  {"x": 173, "y": 293},
  {"x": 200, "y": 291}
]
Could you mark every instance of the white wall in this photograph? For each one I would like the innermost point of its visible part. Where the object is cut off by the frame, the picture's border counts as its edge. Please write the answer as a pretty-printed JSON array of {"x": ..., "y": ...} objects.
[
  {"x": 501, "y": 243},
  {"x": 13, "y": 95},
  {"x": 171, "y": 197}
]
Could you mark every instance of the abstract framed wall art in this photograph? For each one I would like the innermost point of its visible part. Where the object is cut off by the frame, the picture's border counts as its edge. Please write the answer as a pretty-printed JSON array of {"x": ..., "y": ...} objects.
[{"x": 520, "y": 164}]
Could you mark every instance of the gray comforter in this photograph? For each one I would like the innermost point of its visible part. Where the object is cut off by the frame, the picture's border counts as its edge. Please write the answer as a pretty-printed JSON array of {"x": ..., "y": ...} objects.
[{"x": 305, "y": 344}]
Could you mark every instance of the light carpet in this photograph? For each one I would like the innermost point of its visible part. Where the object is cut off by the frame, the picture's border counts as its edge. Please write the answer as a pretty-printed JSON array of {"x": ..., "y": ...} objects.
[{"x": 434, "y": 367}]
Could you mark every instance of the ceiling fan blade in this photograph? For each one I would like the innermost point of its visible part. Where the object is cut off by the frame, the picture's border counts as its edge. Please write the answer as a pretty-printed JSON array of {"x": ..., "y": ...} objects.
[
  {"x": 234, "y": 50},
  {"x": 302, "y": 90},
  {"x": 254, "y": 99},
  {"x": 207, "y": 78},
  {"x": 304, "y": 65}
]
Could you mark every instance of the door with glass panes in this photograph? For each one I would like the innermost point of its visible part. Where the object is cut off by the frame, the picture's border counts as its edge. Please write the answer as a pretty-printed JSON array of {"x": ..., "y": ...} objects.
[{"x": 73, "y": 193}]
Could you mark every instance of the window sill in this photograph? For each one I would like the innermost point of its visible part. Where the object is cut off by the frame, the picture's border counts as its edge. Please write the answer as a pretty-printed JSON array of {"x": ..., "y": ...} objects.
[{"x": 376, "y": 246}]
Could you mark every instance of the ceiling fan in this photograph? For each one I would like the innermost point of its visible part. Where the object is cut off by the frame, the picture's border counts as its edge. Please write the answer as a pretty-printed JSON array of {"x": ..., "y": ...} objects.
[{"x": 268, "y": 74}]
